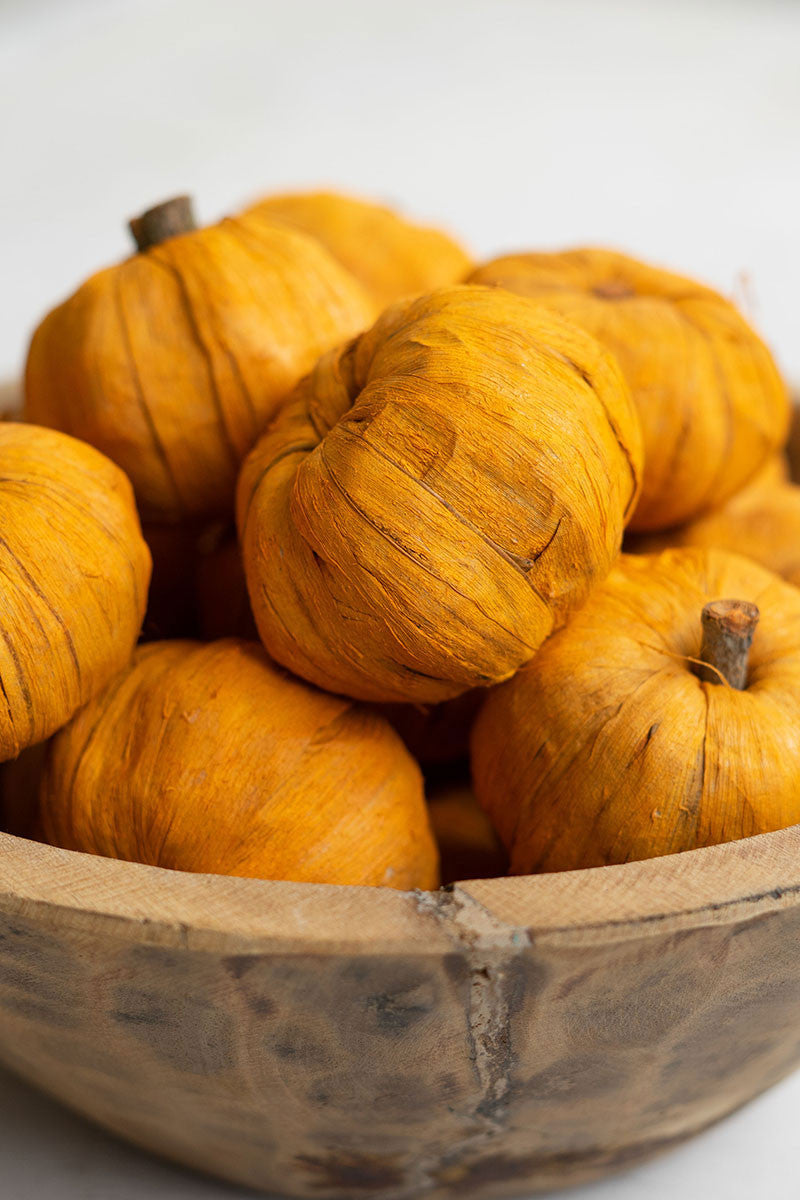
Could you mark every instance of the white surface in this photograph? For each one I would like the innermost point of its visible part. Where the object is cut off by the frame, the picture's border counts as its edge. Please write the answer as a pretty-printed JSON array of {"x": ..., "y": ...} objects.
[{"x": 670, "y": 129}]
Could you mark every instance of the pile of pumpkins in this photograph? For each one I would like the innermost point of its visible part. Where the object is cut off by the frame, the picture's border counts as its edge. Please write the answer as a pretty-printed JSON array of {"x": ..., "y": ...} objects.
[{"x": 383, "y": 494}]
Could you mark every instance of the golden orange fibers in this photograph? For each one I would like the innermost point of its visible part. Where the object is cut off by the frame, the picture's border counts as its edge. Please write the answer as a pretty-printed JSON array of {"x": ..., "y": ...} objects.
[
  {"x": 607, "y": 748},
  {"x": 712, "y": 404},
  {"x": 437, "y": 497},
  {"x": 391, "y": 256},
  {"x": 173, "y": 361},
  {"x": 209, "y": 758},
  {"x": 74, "y": 570}
]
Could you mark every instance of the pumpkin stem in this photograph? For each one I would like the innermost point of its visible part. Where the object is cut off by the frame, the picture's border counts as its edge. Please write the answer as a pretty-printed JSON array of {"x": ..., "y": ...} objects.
[
  {"x": 163, "y": 221},
  {"x": 728, "y": 628}
]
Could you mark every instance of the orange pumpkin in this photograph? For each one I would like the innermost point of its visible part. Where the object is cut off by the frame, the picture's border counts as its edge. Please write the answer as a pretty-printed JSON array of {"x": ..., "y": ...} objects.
[
  {"x": 437, "y": 496},
  {"x": 75, "y": 571},
  {"x": 173, "y": 361},
  {"x": 618, "y": 742},
  {"x": 209, "y": 758},
  {"x": 712, "y": 404},
  {"x": 391, "y": 256}
]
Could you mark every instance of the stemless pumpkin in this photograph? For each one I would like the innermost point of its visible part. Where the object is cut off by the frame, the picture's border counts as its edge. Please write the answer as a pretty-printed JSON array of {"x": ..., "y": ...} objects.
[
  {"x": 209, "y": 758},
  {"x": 609, "y": 747},
  {"x": 391, "y": 256},
  {"x": 712, "y": 404},
  {"x": 173, "y": 361},
  {"x": 75, "y": 571},
  {"x": 437, "y": 496}
]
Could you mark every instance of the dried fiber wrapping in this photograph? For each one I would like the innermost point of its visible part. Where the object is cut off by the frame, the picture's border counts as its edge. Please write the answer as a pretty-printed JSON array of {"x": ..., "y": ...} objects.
[
  {"x": 391, "y": 256},
  {"x": 173, "y": 361},
  {"x": 209, "y": 758},
  {"x": 607, "y": 748},
  {"x": 437, "y": 496},
  {"x": 712, "y": 404},
  {"x": 74, "y": 570}
]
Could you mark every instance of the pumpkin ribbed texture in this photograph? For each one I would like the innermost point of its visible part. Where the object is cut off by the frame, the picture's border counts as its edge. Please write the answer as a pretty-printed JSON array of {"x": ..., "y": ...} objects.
[
  {"x": 437, "y": 496},
  {"x": 211, "y": 759},
  {"x": 712, "y": 404},
  {"x": 391, "y": 256},
  {"x": 608, "y": 748},
  {"x": 173, "y": 361},
  {"x": 74, "y": 570}
]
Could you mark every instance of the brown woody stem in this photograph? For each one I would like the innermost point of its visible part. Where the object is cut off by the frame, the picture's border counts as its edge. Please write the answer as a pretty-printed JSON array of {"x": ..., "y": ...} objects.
[
  {"x": 728, "y": 628},
  {"x": 163, "y": 221}
]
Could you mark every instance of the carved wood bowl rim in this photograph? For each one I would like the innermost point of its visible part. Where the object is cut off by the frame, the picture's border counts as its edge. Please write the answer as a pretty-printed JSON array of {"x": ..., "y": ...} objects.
[{"x": 137, "y": 903}]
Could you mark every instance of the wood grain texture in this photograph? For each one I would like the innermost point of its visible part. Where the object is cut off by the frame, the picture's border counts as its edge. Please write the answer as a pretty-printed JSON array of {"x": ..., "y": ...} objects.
[{"x": 502, "y": 1037}]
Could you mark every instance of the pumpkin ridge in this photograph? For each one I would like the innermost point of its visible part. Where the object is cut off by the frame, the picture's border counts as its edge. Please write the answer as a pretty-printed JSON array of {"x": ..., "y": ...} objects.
[
  {"x": 37, "y": 591},
  {"x": 208, "y": 358},
  {"x": 158, "y": 445}
]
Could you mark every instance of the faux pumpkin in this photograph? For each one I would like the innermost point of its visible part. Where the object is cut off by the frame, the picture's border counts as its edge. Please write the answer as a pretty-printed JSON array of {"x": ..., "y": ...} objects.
[
  {"x": 209, "y": 758},
  {"x": 74, "y": 571},
  {"x": 173, "y": 361},
  {"x": 437, "y": 496},
  {"x": 617, "y": 743},
  {"x": 762, "y": 522},
  {"x": 469, "y": 848},
  {"x": 712, "y": 404},
  {"x": 391, "y": 256}
]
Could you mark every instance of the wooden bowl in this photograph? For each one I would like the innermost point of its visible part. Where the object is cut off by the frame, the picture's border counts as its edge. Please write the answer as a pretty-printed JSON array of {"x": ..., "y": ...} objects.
[{"x": 495, "y": 1039}]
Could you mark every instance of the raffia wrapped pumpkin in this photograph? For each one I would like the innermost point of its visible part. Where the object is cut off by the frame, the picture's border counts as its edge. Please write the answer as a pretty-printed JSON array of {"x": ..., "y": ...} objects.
[
  {"x": 650, "y": 724},
  {"x": 437, "y": 496},
  {"x": 391, "y": 256},
  {"x": 173, "y": 361},
  {"x": 209, "y": 758},
  {"x": 75, "y": 571},
  {"x": 712, "y": 404}
]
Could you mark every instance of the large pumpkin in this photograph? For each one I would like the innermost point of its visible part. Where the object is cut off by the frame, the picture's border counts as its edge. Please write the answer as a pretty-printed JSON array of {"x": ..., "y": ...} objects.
[
  {"x": 74, "y": 570},
  {"x": 610, "y": 746},
  {"x": 712, "y": 404},
  {"x": 173, "y": 361},
  {"x": 437, "y": 496},
  {"x": 391, "y": 256},
  {"x": 209, "y": 758}
]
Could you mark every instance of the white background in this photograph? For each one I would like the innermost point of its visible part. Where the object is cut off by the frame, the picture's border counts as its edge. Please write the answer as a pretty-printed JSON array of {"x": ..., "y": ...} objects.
[{"x": 670, "y": 129}]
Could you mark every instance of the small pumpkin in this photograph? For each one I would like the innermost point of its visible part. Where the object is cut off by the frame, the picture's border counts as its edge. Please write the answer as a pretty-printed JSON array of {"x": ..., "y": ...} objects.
[
  {"x": 635, "y": 733},
  {"x": 762, "y": 522},
  {"x": 469, "y": 848},
  {"x": 711, "y": 401},
  {"x": 75, "y": 571},
  {"x": 391, "y": 256},
  {"x": 437, "y": 496},
  {"x": 209, "y": 758},
  {"x": 173, "y": 361}
]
